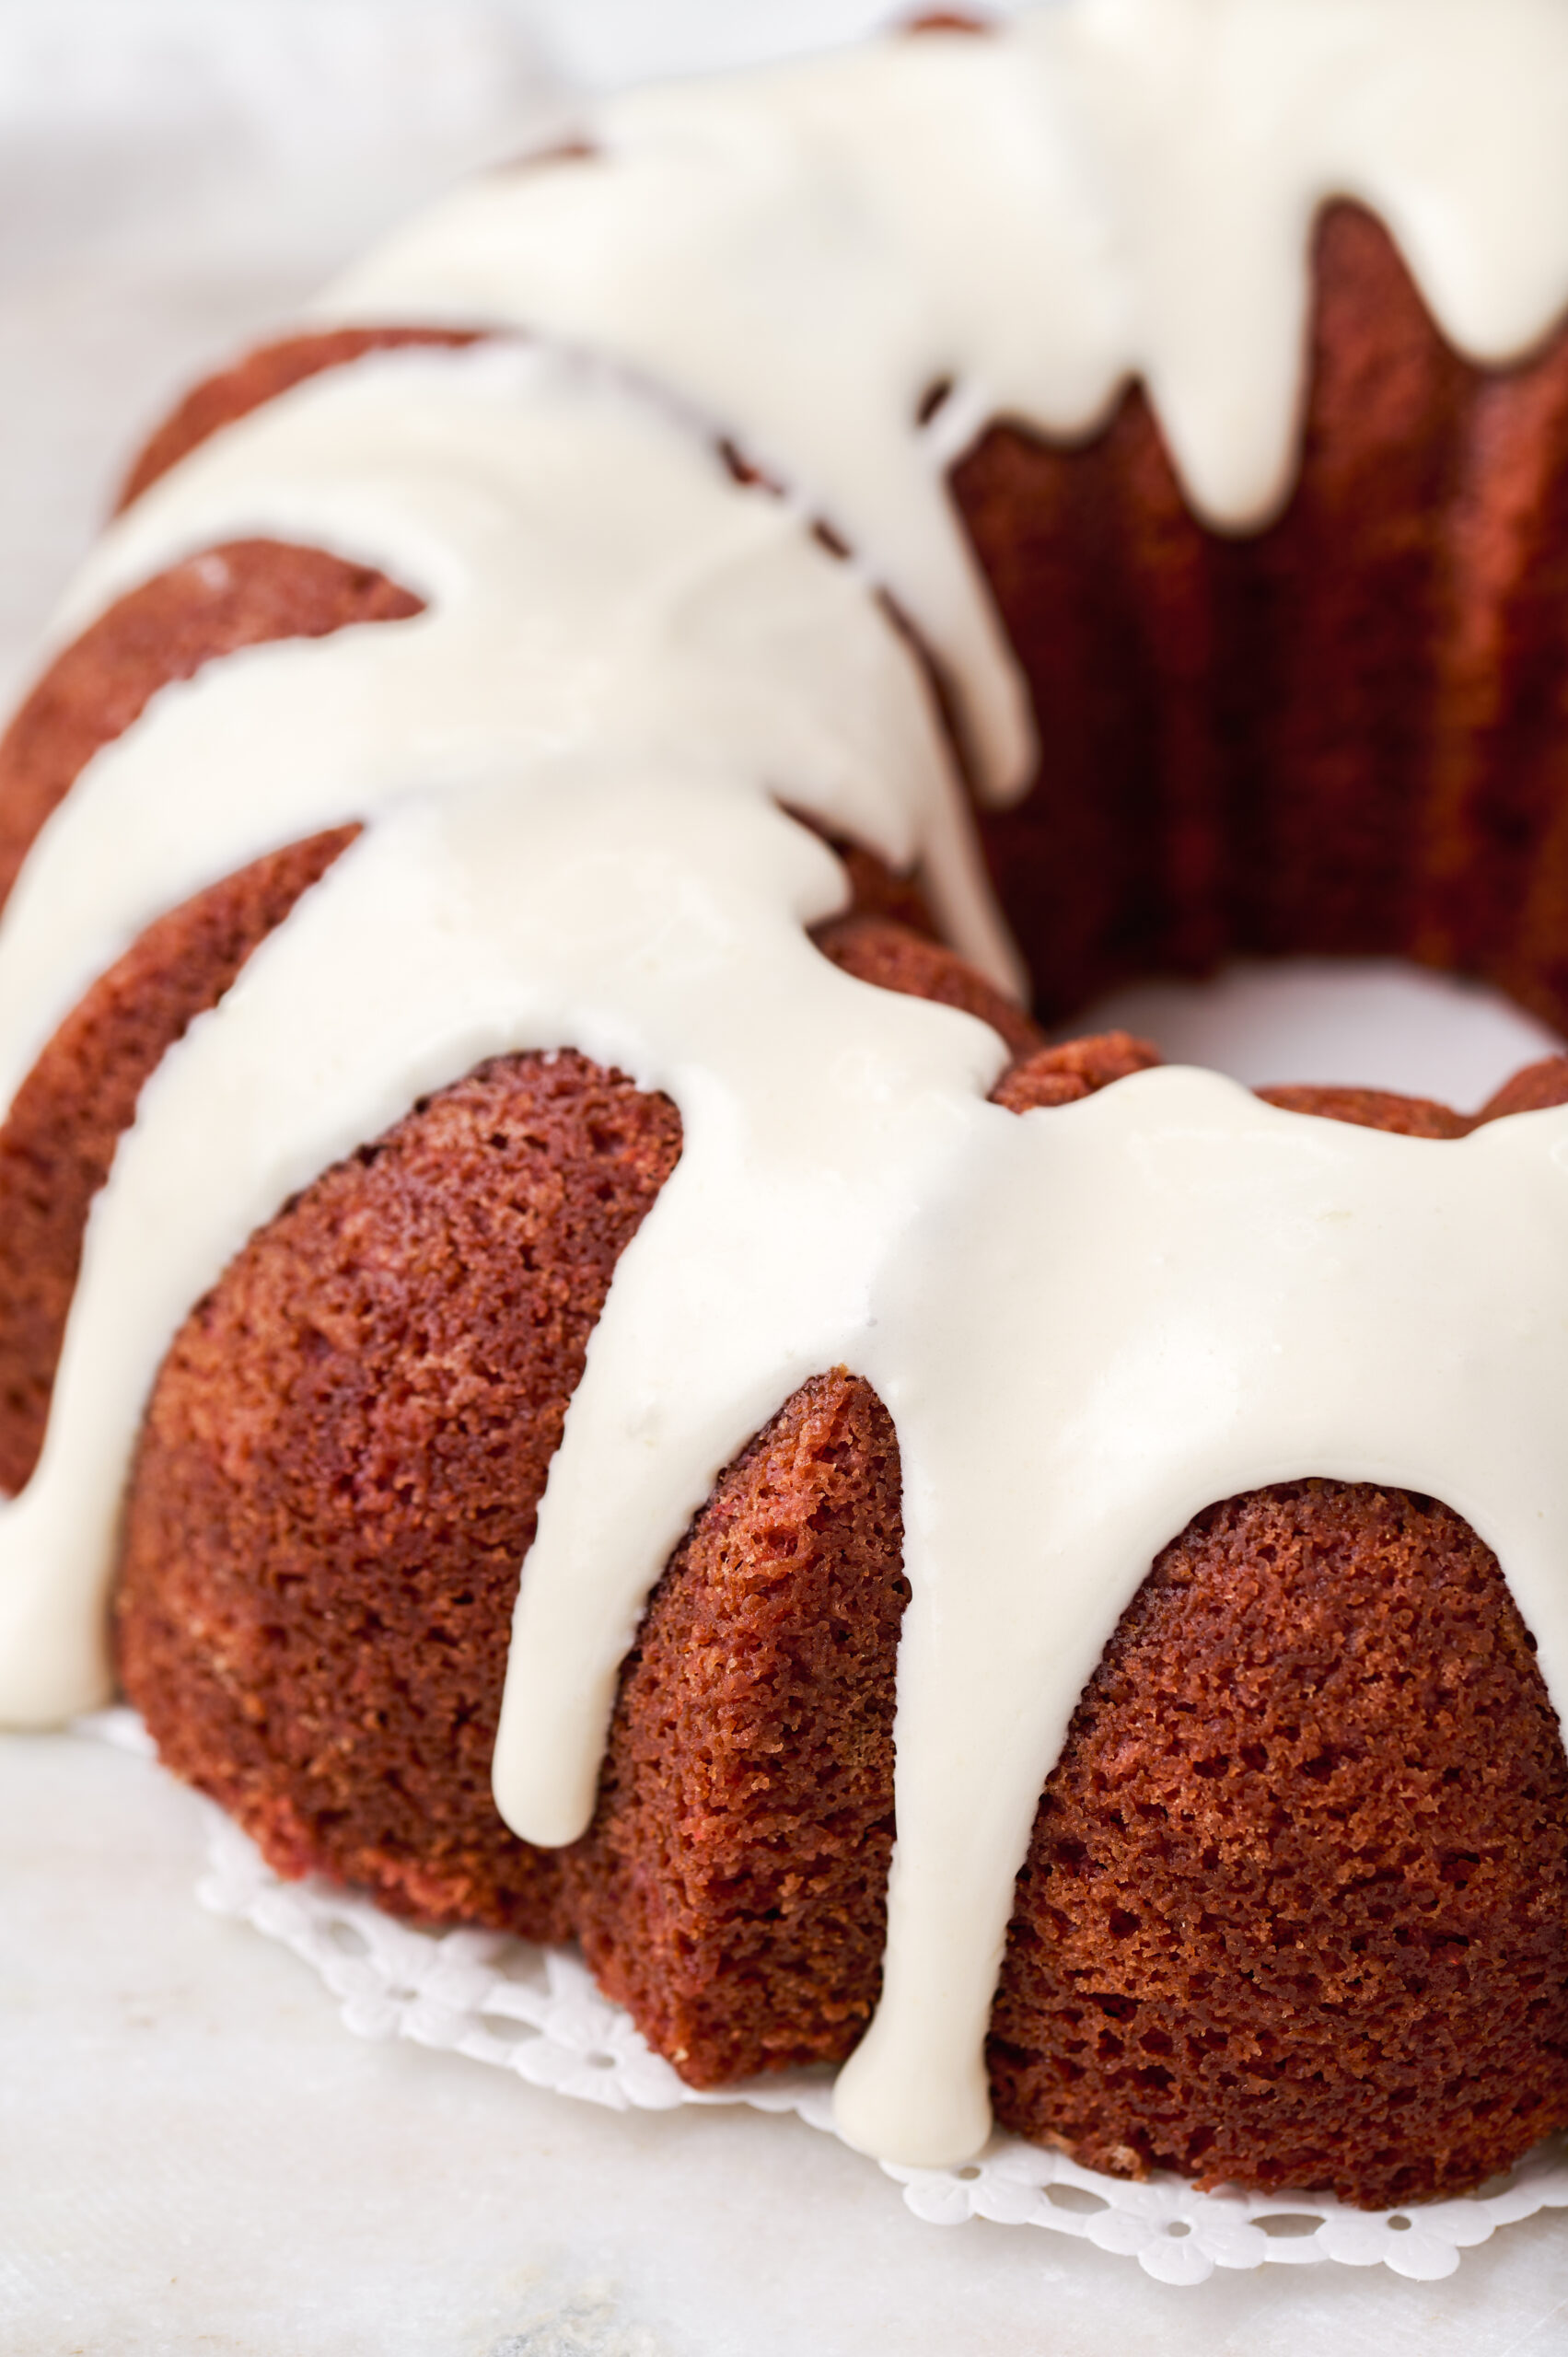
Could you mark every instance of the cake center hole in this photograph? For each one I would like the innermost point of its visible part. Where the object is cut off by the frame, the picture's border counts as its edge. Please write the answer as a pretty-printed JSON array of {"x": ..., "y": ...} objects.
[{"x": 1363, "y": 1022}]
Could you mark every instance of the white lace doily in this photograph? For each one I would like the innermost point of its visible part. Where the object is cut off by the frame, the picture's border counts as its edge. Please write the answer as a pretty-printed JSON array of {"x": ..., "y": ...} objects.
[{"x": 535, "y": 2011}]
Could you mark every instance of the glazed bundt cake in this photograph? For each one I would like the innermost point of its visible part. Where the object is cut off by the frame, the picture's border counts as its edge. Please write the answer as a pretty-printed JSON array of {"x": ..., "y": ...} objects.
[{"x": 614, "y": 1384}]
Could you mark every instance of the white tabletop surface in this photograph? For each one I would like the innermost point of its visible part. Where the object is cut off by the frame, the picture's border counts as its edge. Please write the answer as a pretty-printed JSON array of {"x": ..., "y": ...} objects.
[{"x": 195, "y": 2153}]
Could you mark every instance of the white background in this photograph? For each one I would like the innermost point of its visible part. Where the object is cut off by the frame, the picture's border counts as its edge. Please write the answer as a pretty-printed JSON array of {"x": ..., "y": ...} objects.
[{"x": 194, "y": 2155}]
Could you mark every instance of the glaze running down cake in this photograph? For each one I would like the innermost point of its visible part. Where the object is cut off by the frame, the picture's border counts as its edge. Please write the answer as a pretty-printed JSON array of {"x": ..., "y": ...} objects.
[{"x": 498, "y": 935}]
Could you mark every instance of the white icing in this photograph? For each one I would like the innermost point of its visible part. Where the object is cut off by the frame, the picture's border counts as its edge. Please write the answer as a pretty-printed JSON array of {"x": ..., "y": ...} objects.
[
  {"x": 1110, "y": 189},
  {"x": 1085, "y": 1323},
  {"x": 596, "y": 583}
]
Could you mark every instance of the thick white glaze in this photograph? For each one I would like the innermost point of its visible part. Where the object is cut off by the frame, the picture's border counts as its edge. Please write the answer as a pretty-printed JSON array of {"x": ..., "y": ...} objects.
[
  {"x": 1086, "y": 1323},
  {"x": 1109, "y": 189},
  {"x": 597, "y": 584}
]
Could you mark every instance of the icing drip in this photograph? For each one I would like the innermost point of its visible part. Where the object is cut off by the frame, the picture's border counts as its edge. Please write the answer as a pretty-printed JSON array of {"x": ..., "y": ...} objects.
[
  {"x": 1157, "y": 1297},
  {"x": 1129, "y": 1307},
  {"x": 594, "y": 581},
  {"x": 655, "y": 924},
  {"x": 1110, "y": 189}
]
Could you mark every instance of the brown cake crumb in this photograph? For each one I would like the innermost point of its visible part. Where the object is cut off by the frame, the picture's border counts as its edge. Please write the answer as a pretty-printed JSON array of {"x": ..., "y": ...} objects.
[
  {"x": 339, "y": 1475},
  {"x": 1077, "y": 1068},
  {"x": 732, "y": 1893},
  {"x": 1535, "y": 1089},
  {"x": 66, "y": 1118},
  {"x": 1373, "y": 1108},
  {"x": 1296, "y": 1909}
]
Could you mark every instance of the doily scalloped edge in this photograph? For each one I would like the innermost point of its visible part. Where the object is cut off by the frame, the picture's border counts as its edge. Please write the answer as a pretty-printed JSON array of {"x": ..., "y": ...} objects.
[{"x": 535, "y": 2011}]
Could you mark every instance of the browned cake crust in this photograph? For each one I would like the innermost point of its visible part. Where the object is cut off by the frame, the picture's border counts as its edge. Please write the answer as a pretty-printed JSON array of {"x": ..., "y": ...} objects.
[
  {"x": 1346, "y": 733},
  {"x": 243, "y": 594},
  {"x": 1060, "y": 1075},
  {"x": 338, "y": 1483},
  {"x": 1534, "y": 1090},
  {"x": 732, "y": 1892},
  {"x": 1374, "y": 1108},
  {"x": 878, "y": 950},
  {"x": 340, "y": 1472},
  {"x": 1296, "y": 1905},
  {"x": 260, "y": 377},
  {"x": 59, "y": 1138}
]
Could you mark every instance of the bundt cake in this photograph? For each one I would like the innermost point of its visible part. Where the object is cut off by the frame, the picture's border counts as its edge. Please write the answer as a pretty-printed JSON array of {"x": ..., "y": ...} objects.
[{"x": 497, "y": 934}]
